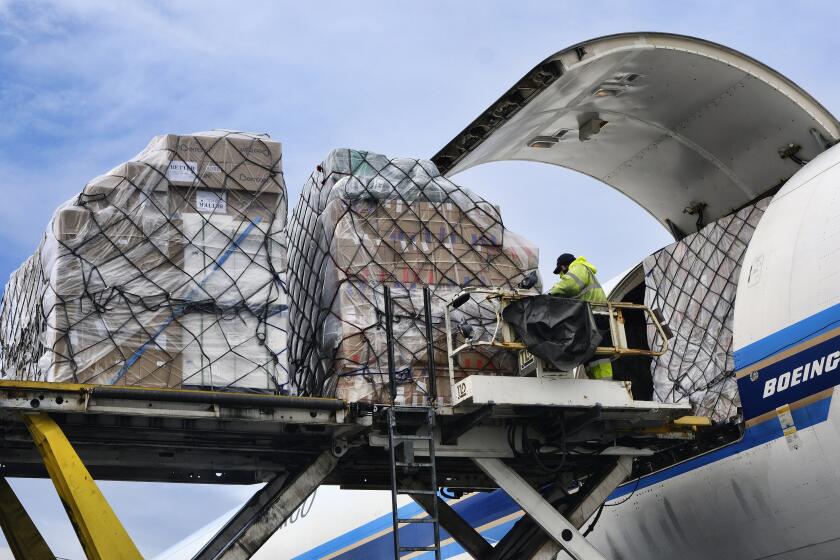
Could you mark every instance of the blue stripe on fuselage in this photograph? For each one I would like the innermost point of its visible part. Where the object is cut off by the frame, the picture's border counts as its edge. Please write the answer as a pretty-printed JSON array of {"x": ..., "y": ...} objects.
[
  {"x": 788, "y": 337},
  {"x": 370, "y": 528},
  {"x": 814, "y": 367},
  {"x": 765, "y": 432},
  {"x": 478, "y": 510},
  {"x": 482, "y": 509}
]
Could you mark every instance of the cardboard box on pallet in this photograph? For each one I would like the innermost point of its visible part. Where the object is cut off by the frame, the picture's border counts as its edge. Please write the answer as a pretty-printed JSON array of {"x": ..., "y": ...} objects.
[
  {"x": 194, "y": 227},
  {"x": 479, "y": 224},
  {"x": 218, "y": 161},
  {"x": 259, "y": 208},
  {"x": 123, "y": 347},
  {"x": 406, "y": 255},
  {"x": 356, "y": 333},
  {"x": 360, "y": 344},
  {"x": 364, "y": 352},
  {"x": 378, "y": 262},
  {"x": 423, "y": 225},
  {"x": 234, "y": 264},
  {"x": 93, "y": 256},
  {"x": 225, "y": 272},
  {"x": 365, "y": 221},
  {"x": 411, "y": 390},
  {"x": 235, "y": 253},
  {"x": 138, "y": 179},
  {"x": 463, "y": 265},
  {"x": 403, "y": 258},
  {"x": 370, "y": 259},
  {"x": 232, "y": 351},
  {"x": 106, "y": 341},
  {"x": 229, "y": 260}
]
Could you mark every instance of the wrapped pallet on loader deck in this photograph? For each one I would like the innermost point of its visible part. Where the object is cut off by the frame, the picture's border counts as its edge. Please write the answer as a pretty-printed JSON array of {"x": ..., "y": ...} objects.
[
  {"x": 167, "y": 271},
  {"x": 364, "y": 222},
  {"x": 693, "y": 282}
]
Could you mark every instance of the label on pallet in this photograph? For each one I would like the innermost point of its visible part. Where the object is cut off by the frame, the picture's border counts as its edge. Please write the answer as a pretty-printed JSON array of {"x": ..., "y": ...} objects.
[
  {"x": 182, "y": 171},
  {"x": 211, "y": 201},
  {"x": 527, "y": 362},
  {"x": 463, "y": 391}
]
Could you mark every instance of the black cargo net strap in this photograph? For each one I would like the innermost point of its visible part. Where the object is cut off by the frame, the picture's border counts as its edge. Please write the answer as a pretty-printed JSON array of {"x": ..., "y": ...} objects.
[
  {"x": 167, "y": 271},
  {"x": 365, "y": 221},
  {"x": 693, "y": 282}
]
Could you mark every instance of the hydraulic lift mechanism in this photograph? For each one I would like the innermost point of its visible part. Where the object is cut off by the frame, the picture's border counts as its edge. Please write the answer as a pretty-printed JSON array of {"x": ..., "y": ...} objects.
[{"x": 538, "y": 429}]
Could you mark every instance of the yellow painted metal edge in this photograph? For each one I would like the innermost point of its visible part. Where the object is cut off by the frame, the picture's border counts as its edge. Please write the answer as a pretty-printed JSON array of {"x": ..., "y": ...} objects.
[
  {"x": 100, "y": 532},
  {"x": 682, "y": 424},
  {"x": 79, "y": 387},
  {"x": 22, "y": 535},
  {"x": 42, "y": 385},
  {"x": 693, "y": 421}
]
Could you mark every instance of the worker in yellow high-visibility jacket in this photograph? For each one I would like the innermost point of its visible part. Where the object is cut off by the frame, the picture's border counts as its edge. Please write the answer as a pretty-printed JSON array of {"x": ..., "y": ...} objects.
[{"x": 578, "y": 281}]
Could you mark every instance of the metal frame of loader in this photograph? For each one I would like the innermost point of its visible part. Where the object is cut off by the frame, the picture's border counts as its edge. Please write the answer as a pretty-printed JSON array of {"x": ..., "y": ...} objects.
[{"x": 83, "y": 432}]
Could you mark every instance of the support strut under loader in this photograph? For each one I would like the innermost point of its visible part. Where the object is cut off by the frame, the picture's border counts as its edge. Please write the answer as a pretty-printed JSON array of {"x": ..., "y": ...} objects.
[{"x": 517, "y": 433}]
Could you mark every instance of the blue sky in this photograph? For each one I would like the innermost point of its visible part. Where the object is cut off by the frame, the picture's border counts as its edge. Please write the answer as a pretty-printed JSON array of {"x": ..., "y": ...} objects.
[{"x": 85, "y": 85}]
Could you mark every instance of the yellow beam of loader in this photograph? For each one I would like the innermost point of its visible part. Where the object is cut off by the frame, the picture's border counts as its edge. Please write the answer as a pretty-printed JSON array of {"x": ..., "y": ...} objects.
[
  {"x": 693, "y": 421},
  {"x": 21, "y": 533},
  {"x": 100, "y": 532}
]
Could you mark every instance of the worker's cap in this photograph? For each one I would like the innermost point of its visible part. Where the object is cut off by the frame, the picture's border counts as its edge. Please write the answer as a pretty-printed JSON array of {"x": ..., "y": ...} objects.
[{"x": 564, "y": 260}]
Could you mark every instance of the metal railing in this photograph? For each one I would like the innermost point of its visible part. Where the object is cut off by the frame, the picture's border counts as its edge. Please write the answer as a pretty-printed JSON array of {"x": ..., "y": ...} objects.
[{"x": 503, "y": 336}]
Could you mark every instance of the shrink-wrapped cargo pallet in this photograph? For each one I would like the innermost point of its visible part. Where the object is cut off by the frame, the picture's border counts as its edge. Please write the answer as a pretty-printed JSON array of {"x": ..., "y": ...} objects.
[
  {"x": 693, "y": 282},
  {"x": 363, "y": 222},
  {"x": 167, "y": 271}
]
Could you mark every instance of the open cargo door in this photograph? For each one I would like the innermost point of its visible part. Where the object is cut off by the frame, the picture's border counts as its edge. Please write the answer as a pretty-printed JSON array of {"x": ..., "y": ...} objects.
[{"x": 688, "y": 129}]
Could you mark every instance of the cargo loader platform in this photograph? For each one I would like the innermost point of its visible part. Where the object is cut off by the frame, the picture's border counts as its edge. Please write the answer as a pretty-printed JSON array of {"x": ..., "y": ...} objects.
[
  {"x": 574, "y": 438},
  {"x": 557, "y": 442}
]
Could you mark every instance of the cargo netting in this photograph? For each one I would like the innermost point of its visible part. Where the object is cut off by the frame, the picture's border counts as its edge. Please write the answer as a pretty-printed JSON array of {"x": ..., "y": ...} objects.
[
  {"x": 364, "y": 222},
  {"x": 167, "y": 271},
  {"x": 693, "y": 282}
]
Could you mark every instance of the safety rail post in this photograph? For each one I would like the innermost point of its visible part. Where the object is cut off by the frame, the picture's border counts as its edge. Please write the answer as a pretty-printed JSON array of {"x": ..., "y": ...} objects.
[
  {"x": 389, "y": 340},
  {"x": 432, "y": 373},
  {"x": 392, "y": 415},
  {"x": 430, "y": 346}
]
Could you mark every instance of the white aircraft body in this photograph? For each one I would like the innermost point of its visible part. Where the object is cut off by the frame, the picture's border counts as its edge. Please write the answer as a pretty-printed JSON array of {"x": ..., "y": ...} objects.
[{"x": 687, "y": 121}]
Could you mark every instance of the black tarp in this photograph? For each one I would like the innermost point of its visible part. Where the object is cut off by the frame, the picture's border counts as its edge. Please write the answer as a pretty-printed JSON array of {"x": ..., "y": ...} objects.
[{"x": 560, "y": 331}]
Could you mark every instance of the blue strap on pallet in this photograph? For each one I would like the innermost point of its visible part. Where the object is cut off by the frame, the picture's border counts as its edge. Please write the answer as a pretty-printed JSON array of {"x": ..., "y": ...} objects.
[{"x": 231, "y": 248}]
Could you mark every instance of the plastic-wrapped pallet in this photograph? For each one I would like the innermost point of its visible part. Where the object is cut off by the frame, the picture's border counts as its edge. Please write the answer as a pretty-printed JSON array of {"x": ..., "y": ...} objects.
[
  {"x": 693, "y": 282},
  {"x": 365, "y": 221},
  {"x": 167, "y": 271}
]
